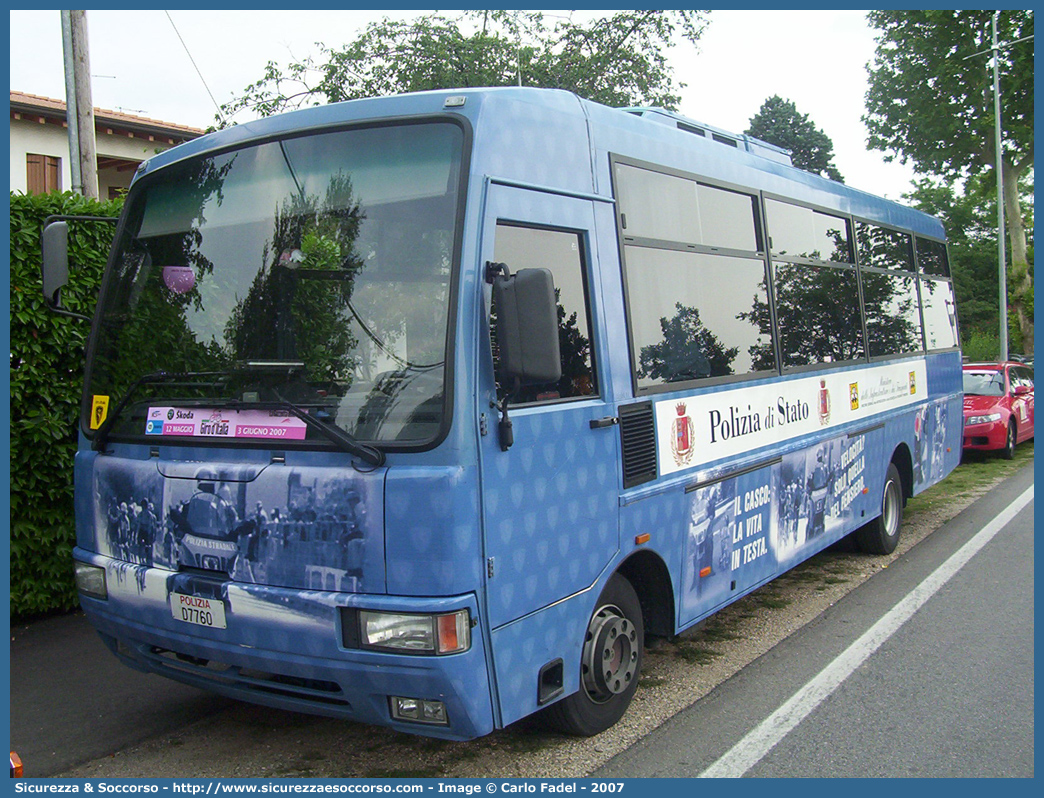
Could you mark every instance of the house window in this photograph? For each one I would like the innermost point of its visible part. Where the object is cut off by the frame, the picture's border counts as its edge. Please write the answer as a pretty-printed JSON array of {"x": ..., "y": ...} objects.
[{"x": 43, "y": 173}]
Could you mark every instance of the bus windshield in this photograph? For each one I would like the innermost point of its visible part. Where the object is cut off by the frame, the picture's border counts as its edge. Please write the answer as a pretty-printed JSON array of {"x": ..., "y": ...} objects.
[{"x": 313, "y": 270}]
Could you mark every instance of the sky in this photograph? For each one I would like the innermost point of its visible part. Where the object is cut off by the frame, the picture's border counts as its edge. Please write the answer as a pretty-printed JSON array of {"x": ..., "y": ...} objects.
[{"x": 817, "y": 59}]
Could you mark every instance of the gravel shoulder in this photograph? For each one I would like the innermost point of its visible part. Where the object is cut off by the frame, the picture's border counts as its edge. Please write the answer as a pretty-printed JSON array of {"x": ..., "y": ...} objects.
[{"x": 257, "y": 742}]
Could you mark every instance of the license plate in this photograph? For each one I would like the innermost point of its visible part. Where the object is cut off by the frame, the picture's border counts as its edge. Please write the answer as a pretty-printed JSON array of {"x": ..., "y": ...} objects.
[{"x": 200, "y": 611}]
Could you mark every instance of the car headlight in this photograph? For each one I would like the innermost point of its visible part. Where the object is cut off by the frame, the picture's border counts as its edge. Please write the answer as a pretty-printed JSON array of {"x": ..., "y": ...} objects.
[
  {"x": 970, "y": 420},
  {"x": 402, "y": 633}
]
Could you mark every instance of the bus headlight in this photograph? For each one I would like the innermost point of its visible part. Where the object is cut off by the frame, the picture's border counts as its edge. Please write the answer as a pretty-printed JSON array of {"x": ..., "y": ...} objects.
[
  {"x": 90, "y": 580},
  {"x": 415, "y": 634}
]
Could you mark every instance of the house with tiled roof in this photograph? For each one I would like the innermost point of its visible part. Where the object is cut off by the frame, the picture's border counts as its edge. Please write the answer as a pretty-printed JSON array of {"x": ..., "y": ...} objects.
[{"x": 40, "y": 145}]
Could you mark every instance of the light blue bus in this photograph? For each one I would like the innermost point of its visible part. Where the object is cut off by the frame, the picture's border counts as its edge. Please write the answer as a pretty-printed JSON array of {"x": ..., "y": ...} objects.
[{"x": 425, "y": 411}]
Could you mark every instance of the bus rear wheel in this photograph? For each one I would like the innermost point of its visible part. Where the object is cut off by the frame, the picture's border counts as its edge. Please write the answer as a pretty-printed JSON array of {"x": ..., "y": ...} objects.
[
  {"x": 881, "y": 535},
  {"x": 609, "y": 664}
]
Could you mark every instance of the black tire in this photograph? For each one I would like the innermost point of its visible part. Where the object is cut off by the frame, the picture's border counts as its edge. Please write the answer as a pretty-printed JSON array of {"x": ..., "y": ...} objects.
[
  {"x": 609, "y": 664},
  {"x": 881, "y": 535},
  {"x": 1008, "y": 452}
]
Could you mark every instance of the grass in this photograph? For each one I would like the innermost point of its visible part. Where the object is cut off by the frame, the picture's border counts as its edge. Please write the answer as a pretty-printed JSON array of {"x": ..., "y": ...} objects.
[
  {"x": 697, "y": 653},
  {"x": 293, "y": 771},
  {"x": 715, "y": 633},
  {"x": 651, "y": 681},
  {"x": 429, "y": 772},
  {"x": 528, "y": 743},
  {"x": 433, "y": 744},
  {"x": 801, "y": 574},
  {"x": 974, "y": 471},
  {"x": 772, "y": 602}
]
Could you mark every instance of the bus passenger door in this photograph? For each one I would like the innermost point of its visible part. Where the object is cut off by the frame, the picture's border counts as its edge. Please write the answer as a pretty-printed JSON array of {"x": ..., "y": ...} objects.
[{"x": 550, "y": 502}]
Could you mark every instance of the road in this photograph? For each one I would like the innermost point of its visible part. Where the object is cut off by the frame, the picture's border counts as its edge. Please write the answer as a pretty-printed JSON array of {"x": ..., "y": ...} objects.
[
  {"x": 72, "y": 700},
  {"x": 950, "y": 692},
  {"x": 946, "y": 692}
]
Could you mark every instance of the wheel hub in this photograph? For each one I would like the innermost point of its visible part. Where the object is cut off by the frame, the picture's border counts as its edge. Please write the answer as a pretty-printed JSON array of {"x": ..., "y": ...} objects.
[
  {"x": 610, "y": 654},
  {"x": 892, "y": 502}
]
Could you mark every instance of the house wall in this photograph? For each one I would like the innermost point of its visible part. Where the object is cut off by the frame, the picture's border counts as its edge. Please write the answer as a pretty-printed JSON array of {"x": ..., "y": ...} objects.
[{"x": 53, "y": 140}]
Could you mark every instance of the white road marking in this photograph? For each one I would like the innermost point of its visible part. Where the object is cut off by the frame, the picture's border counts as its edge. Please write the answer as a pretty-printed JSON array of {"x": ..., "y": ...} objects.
[{"x": 759, "y": 741}]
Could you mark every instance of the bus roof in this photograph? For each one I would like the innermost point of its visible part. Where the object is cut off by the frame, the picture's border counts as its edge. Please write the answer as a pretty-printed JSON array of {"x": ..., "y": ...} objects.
[{"x": 539, "y": 136}]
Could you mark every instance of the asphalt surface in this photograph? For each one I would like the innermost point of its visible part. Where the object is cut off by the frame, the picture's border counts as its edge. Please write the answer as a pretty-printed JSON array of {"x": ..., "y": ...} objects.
[
  {"x": 72, "y": 700},
  {"x": 949, "y": 694}
]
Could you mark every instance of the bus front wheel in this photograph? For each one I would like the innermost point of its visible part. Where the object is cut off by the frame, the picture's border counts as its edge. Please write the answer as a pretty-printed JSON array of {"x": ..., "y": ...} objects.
[
  {"x": 609, "y": 664},
  {"x": 881, "y": 535}
]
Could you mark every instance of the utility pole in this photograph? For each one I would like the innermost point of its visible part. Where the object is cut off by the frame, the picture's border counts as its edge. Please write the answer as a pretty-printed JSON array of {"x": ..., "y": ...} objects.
[
  {"x": 1002, "y": 270},
  {"x": 70, "y": 105},
  {"x": 79, "y": 106}
]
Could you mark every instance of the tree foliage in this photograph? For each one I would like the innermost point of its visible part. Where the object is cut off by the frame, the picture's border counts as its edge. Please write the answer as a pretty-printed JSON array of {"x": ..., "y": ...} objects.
[
  {"x": 929, "y": 104},
  {"x": 779, "y": 122},
  {"x": 932, "y": 107},
  {"x": 295, "y": 310},
  {"x": 46, "y": 381},
  {"x": 619, "y": 60},
  {"x": 688, "y": 351},
  {"x": 970, "y": 218}
]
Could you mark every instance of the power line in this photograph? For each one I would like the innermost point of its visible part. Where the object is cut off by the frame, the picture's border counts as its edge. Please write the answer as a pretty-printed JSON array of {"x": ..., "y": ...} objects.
[{"x": 202, "y": 79}]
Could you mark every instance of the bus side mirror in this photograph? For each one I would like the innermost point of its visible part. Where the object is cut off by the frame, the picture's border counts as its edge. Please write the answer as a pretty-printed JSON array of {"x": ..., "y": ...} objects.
[
  {"x": 54, "y": 253},
  {"x": 54, "y": 259},
  {"x": 527, "y": 327}
]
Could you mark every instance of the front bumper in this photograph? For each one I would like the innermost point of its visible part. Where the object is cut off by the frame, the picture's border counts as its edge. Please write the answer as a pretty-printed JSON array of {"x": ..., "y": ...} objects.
[
  {"x": 986, "y": 437},
  {"x": 284, "y": 648}
]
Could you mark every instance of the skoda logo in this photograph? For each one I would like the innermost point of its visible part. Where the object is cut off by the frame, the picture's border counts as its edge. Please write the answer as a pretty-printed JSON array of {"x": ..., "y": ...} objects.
[{"x": 170, "y": 414}]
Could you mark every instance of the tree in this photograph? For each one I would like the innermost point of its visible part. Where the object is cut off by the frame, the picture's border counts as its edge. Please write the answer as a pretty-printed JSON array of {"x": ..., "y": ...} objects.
[
  {"x": 618, "y": 60},
  {"x": 688, "y": 351},
  {"x": 146, "y": 321},
  {"x": 295, "y": 306},
  {"x": 970, "y": 219},
  {"x": 818, "y": 313},
  {"x": 930, "y": 106},
  {"x": 779, "y": 122}
]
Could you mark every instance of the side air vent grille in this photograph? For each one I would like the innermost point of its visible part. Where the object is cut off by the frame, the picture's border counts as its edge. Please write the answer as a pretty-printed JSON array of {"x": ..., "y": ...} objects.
[{"x": 638, "y": 439}]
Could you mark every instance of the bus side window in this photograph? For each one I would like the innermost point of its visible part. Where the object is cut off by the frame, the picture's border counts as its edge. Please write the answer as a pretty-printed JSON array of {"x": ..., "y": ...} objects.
[{"x": 562, "y": 253}]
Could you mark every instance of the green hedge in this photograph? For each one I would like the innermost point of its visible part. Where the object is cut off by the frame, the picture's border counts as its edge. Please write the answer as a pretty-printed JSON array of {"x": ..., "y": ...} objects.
[{"x": 47, "y": 360}]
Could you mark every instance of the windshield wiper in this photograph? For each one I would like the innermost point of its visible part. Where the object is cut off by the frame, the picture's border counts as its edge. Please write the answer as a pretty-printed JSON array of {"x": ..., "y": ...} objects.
[
  {"x": 328, "y": 430},
  {"x": 342, "y": 438},
  {"x": 152, "y": 378},
  {"x": 333, "y": 433},
  {"x": 287, "y": 367}
]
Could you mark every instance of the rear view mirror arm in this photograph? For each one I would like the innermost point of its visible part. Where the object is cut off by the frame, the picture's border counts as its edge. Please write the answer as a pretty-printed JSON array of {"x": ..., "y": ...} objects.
[
  {"x": 505, "y": 433},
  {"x": 527, "y": 333}
]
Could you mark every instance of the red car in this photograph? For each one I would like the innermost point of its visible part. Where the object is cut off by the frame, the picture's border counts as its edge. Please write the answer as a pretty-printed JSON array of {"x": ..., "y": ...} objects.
[{"x": 998, "y": 406}]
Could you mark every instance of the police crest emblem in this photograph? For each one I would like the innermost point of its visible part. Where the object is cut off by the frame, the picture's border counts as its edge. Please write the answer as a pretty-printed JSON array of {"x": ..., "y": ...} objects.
[
  {"x": 682, "y": 436},
  {"x": 824, "y": 403}
]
